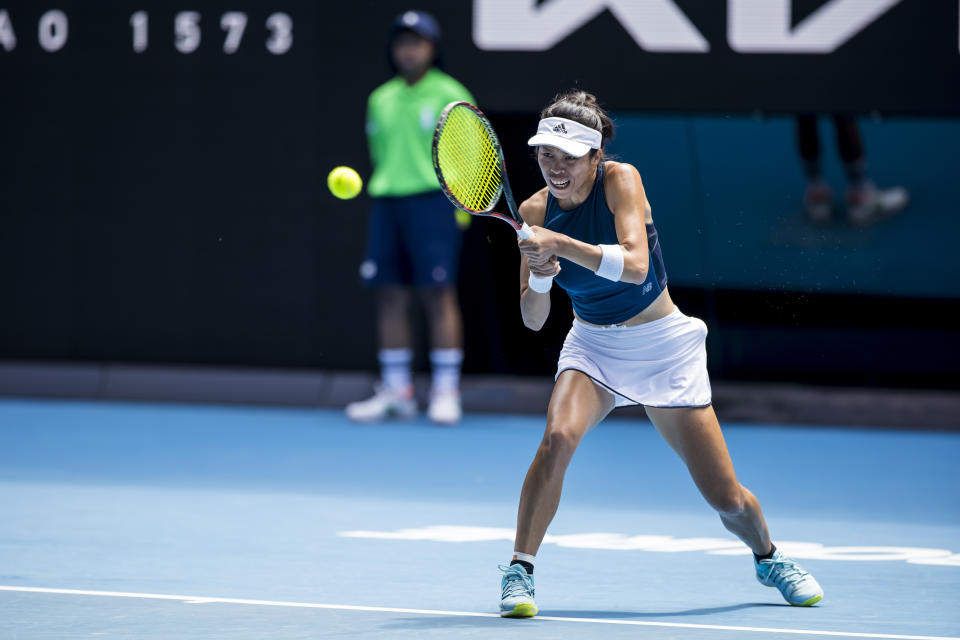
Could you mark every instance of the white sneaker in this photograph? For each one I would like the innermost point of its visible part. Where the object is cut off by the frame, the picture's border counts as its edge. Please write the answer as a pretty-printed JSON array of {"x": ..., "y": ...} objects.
[
  {"x": 385, "y": 403},
  {"x": 516, "y": 593},
  {"x": 445, "y": 407},
  {"x": 797, "y": 586},
  {"x": 868, "y": 204}
]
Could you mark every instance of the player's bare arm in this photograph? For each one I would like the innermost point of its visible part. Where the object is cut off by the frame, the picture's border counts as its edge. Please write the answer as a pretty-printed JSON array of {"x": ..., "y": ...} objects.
[
  {"x": 534, "y": 307},
  {"x": 628, "y": 201}
]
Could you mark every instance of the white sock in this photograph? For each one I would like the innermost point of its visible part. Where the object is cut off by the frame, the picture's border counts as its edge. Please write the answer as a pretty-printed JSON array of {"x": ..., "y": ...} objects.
[
  {"x": 445, "y": 364},
  {"x": 526, "y": 557},
  {"x": 395, "y": 368}
]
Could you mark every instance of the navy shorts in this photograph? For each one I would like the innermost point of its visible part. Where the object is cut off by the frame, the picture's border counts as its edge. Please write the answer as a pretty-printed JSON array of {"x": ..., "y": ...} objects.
[{"x": 413, "y": 240}]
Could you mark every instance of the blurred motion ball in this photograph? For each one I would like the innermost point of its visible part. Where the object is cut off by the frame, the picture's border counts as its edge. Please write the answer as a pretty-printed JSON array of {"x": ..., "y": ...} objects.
[
  {"x": 463, "y": 219},
  {"x": 344, "y": 182}
]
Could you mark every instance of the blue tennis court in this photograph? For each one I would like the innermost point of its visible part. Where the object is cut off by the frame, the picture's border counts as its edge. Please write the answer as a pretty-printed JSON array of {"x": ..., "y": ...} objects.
[{"x": 162, "y": 520}]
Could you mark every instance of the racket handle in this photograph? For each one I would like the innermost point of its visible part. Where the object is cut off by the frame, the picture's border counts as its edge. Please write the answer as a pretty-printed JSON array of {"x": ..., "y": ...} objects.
[
  {"x": 525, "y": 232},
  {"x": 540, "y": 284}
]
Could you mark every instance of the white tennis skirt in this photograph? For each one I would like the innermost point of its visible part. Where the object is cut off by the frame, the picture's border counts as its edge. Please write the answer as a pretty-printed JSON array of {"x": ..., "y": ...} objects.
[{"x": 657, "y": 364}]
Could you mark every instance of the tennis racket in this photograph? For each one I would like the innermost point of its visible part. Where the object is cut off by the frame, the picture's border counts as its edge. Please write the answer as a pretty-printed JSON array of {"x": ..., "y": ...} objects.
[{"x": 468, "y": 159}]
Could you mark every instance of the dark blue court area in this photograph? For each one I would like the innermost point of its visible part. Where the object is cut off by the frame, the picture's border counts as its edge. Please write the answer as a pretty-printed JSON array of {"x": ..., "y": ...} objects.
[{"x": 162, "y": 521}]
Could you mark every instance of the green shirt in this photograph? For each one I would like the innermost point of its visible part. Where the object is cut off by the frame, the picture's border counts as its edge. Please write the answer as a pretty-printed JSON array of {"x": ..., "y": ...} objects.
[{"x": 400, "y": 123}]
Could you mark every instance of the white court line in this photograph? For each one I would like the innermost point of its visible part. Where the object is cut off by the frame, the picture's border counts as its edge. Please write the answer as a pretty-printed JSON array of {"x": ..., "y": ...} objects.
[{"x": 432, "y": 612}]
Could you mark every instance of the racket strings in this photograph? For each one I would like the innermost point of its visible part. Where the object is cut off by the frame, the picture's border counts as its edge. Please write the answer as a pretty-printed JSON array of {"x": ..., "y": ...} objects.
[{"x": 469, "y": 160}]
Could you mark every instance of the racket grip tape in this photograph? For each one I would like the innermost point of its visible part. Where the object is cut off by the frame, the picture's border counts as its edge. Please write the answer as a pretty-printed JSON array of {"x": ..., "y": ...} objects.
[
  {"x": 540, "y": 284},
  {"x": 525, "y": 232}
]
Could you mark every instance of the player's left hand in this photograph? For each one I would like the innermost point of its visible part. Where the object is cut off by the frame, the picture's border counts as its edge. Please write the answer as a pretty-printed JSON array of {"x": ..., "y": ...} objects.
[{"x": 546, "y": 270}]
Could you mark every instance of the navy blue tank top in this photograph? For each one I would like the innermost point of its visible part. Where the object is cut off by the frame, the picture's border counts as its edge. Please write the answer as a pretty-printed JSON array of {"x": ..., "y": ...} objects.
[{"x": 597, "y": 299}]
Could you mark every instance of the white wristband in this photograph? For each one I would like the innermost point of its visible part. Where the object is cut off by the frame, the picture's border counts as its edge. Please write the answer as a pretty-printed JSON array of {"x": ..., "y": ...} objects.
[
  {"x": 611, "y": 262},
  {"x": 540, "y": 284}
]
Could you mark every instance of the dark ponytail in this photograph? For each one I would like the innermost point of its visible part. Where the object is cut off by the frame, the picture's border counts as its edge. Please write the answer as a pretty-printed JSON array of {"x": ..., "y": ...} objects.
[{"x": 582, "y": 107}]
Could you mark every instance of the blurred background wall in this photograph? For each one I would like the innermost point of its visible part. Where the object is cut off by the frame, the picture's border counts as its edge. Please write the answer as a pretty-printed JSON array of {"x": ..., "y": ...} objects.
[{"x": 163, "y": 198}]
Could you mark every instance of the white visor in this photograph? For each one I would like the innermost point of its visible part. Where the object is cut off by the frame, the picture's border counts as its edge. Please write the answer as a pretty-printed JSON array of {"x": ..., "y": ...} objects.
[{"x": 572, "y": 137}]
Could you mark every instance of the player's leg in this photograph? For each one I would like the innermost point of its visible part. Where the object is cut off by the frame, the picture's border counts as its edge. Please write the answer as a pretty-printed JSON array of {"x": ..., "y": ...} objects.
[
  {"x": 694, "y": 433},
  {"x": 576, "y": 406},
  {"x": 386, "y": 269}
]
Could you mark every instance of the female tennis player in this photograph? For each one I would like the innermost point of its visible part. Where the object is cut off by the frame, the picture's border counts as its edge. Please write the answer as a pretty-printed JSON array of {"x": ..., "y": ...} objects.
[{"x": 629, "y": 344}]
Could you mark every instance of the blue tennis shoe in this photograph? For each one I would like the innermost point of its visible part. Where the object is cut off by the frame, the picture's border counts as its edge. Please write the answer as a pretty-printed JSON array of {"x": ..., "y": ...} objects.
[
  {"x": 797, "y": 586},
  {"x": 516, "y": 600}
]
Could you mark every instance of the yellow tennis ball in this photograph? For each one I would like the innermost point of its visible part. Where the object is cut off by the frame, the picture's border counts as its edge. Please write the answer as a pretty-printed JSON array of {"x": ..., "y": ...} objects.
[
  {"x": 463, "y": 219},
  {"x": 344, "y": 182}
]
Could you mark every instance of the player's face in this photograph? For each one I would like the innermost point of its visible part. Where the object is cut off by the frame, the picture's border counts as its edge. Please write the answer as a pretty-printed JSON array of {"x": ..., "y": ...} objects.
[
  {"x": 412, "y": 54},
  {"x": 567, "y": 177}
]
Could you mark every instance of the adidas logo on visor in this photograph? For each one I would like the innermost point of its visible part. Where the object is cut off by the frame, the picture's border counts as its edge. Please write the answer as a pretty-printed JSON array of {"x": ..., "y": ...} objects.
[{"x": 573, "y": 137}]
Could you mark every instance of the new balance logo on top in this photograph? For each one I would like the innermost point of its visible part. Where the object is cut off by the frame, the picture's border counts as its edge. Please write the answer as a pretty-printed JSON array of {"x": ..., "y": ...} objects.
[{"x": 560, "y": 129}]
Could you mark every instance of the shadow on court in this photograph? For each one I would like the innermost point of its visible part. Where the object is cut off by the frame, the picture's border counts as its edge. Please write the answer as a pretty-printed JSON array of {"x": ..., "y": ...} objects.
[
  {"x": 626, "y": 615},
  {"x": 449, "y": 622},
  {"x": 435, "y": 622}
]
